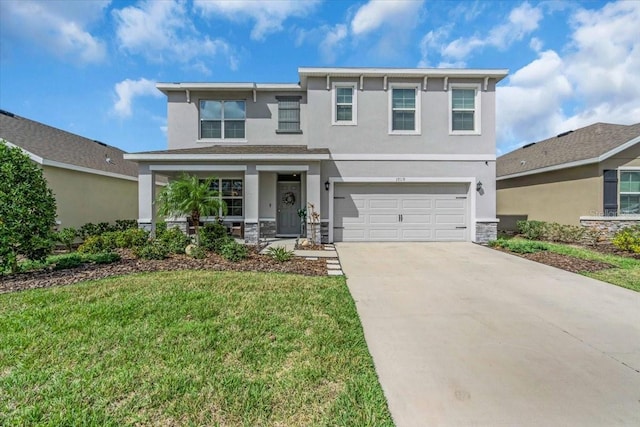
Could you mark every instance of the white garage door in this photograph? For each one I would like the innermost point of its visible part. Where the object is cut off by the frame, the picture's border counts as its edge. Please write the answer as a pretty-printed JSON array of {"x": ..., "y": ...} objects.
[{"x": 400, "y": 212}]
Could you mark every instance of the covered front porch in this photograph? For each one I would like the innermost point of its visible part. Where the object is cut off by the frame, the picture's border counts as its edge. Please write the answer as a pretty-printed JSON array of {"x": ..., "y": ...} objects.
[{"x": 264, "y": 192}]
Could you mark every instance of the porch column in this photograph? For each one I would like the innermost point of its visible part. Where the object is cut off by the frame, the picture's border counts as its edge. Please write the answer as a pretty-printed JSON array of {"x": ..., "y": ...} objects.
[
  {"x": 251, "y": 205},
  {"x": 146, "y": 197},
  {"x": 313, "y": 197}
]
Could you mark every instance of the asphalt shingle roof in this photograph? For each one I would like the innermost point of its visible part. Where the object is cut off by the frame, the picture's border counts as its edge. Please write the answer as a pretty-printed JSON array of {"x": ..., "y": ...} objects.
[
  {"x": 64, "y": 147},
  {"x": 585, "y": 143}
]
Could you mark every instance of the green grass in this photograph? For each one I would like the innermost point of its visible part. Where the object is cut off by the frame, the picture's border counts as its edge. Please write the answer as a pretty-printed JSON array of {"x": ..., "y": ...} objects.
[
  {"x": 187, "y": 348},
  {"x": 626, "y": 271}
]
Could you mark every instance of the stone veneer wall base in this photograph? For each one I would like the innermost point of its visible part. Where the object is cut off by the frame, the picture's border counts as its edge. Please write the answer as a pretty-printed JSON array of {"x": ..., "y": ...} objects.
[
  {"x": 486, "y": 231},
  {"x": 609, "y": 225},
  {"x": 251, "y": 233}
]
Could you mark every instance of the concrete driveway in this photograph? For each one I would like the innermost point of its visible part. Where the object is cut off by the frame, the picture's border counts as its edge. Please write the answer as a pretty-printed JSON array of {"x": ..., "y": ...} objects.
[{"x": 465, "y": 335}]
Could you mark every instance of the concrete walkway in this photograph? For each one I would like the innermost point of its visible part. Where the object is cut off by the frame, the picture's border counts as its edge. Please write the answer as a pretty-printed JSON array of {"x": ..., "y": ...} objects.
[{"x": 464, "y": 335}]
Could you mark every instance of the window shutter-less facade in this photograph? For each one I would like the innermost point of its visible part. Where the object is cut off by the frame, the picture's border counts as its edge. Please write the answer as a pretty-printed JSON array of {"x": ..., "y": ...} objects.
[{"x": 610, "y": 192}]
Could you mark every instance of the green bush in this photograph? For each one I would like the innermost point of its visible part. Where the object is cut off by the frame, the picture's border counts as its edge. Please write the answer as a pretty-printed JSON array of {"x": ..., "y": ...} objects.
[
  {"x": 125, "y": 224},
  {"x": 103, "y": 258},
  {"x": 67, "y": 236},
  {"x": 628, "y": 239},
  {"x": 197, "y": 252},
  {"x": 233, "y": 251},
  {"x": 110, "y": 240},
  {"x": 519, "y": 246},
  {"x": 175, "y": 240},
  {"x": 92, "y": 245},
  {"x": 161, "y": 227},
  {"x": 152, "y": 250},
  {"x": 131, "y": 238},
  {"x": 279, "y": 253},
  {"x": 212, "y": 236},
  {"x": 68, "y": 261},
  {"x": 555, "y": 232},
  {"x": 532, "y": 230}
]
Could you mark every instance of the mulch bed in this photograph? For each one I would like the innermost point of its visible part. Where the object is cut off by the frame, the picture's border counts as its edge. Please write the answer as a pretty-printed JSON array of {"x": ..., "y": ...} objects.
[
  {"x": 566, "y": 262},
  {"x": 129, "y": 264}
]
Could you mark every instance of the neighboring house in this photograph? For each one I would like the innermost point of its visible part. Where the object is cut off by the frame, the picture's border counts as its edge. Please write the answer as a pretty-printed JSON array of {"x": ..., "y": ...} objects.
[
  {"x": 576, "y": 177},
  {"x": 90, "y": 180},
  {"x": 383, "y": 154}
]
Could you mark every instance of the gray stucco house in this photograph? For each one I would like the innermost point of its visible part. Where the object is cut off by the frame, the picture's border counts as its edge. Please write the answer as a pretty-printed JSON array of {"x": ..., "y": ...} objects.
[{"x": 383, "y": 154}]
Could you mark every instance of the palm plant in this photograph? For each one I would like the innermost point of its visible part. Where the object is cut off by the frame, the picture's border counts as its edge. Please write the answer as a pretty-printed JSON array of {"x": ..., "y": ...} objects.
[{"x": 189, "y": 195}]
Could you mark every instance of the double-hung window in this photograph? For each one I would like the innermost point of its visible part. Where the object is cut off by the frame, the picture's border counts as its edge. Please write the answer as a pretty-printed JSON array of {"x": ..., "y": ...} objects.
[
  {"x": 630, "y": 192},
  {"x": 230, "y": 191},
  {"x": 288, "y": 114},
  {"x": 464, "y": 115},
  {"x": 404, "y": 109},
  {"x": 222, "y": 119},
  {"x": 344, "y": 111}
]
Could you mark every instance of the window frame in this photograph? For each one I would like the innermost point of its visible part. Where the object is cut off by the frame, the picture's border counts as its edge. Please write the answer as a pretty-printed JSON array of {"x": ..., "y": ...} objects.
[
  {"x": 222, "y": 197},
  {"x": 298, "y": 99},
  {"x": 417, "y": 109},
  {"x": 477, "y": 116},
  {"x": 625, "y": 193},
  {"x": 354, "y": 104},
  {"x": 222, "y": 120}
]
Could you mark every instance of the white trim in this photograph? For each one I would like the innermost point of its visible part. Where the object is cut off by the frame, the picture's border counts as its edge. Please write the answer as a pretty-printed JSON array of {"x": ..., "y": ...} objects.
[
  {"x": 486, "y": 83},
  {"x": 222, "y": 168},
  {"x": 200, "y": 157},
  {"x": 247, "y": 86},
  {"x": 403, "y": 72},
  {"x": 32, "y": 156},
  {"x": 418, "y": 157},
  {"x": 623, "y": 217},
  {"x": 418, "y": 114},
  {"x": 471, "y": 193},
  {"x": 354, "y": 104},
  {"x": 628, "y": 168},
  {"x": 266, "y": 219},
  {"x": 282, "y": 168},
  {"x": 144, "y": 220},
  {"x": 248, "y": 220},
  {"x": 577, "y": 163},
  {"x": 477, "y": 116},
  {"x": 222, "y": 141},
  {"x": 487, "y": 220}
]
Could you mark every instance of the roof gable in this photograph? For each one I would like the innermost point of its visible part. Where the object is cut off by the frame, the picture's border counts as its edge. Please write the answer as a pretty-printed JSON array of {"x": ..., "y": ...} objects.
[
  {"x": 589, "y": 144},
  {"x": 57, "y": 146}
]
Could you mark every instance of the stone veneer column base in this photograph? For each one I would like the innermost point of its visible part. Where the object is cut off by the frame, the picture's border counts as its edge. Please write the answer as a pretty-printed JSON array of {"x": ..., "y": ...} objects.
[
  {"x": 324, "y": 231},
  {"x": 147, "y": 226},
  {"x": 486, "y": 231},
  {"x": 267, "y": 229},
  {"x": 182, "y": 225},
  {"x": 251, "y": 233},
  {"x": 318, "y": 236}
]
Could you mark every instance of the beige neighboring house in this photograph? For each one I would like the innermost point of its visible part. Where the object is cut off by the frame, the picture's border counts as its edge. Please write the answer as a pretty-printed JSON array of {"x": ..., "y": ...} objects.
[
  {"x": 90, "y": 180},
  {"x": 588, "y": 175}
]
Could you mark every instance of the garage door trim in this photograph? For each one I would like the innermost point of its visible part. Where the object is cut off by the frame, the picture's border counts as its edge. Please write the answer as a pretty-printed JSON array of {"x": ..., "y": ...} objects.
[{"x": 400, "y": 180}]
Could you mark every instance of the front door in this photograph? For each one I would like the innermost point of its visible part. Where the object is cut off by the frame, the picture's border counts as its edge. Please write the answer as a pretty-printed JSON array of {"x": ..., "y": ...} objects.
[{"x": 288, "y": 205}]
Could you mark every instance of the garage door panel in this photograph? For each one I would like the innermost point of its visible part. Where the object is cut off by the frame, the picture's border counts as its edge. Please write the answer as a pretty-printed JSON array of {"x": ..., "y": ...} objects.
[{"x": 407, "y": 211}]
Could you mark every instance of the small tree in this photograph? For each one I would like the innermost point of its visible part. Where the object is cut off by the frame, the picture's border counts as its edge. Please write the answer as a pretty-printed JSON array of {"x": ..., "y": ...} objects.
[
  {"x": 188, "y": 195},
  {"x": 27, "y": 209}
]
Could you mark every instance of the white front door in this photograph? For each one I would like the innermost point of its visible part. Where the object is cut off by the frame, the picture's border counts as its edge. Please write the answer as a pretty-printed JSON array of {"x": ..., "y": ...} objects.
[{"x": 288, "y": 206}]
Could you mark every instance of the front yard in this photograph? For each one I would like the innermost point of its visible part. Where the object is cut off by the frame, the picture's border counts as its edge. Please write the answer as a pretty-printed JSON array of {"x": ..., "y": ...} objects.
[{"x": 187, "y": 348}]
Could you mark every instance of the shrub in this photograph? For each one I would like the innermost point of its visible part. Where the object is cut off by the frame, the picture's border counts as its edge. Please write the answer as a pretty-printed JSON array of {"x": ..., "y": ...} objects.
[
  {"x": 103, "y": 258},
  {"x": 279, "y": 253},
  {"x": 592, "y": 236},
  {"x": 152, "y": 250},
  {"x": 233, "y": 251},
  {"x": 125, "y": 224},
  {"x": 109, "y": 240},
  {"x": 161, "y": 227},
  {"x": 68, "y": 261},
  {"x": 628, "y": 239},
  {"x": 211, "y": 234},
  {"x": 27, "y": 209},
  {"x": 195, "y": 251},
  {"x": 175, "y": 240},
  {"x": 67, "y": 236},
  {"x": 519, "y": 246},
  {"x": 131, "y": 238},
  {"x": 532, "y": 230},
  {"x": 92, "y": 245},
  {"x": 555, "y": 232}
]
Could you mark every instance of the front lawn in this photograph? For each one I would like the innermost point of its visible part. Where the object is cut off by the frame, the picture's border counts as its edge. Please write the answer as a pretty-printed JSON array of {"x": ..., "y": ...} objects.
[
  {"x": 623, "y": 271},
  {"x": 187, "y": 348}
]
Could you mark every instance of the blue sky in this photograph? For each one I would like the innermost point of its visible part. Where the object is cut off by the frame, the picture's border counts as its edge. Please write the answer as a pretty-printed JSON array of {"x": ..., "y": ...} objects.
[{"x": 89, "y": 67}]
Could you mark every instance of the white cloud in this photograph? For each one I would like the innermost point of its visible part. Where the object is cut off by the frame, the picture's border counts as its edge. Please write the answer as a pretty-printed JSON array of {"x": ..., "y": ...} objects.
[
  {"x": 378, "y": 13},
  {"x": 268, "y": 15},
  {"x": 332, "y": 42},
  {"x": 59, "y": 27},
  {"x": 522, "y": 21},
  {"x": 129, "y": 89},
  {"x": 162, "y": 31},
  {"x": 595, "y": 81}
]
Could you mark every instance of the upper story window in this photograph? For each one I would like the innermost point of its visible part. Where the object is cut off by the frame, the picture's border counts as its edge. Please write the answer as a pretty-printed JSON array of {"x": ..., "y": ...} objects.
[
  {"x": 288, "y": 114},
  {"x": 344, "y": 104},
  {"x": 630, "y": 192},
  {"x": 464, "y": 114},
  {"x": 404, "y": 109},
  {"x": 222, "y": 119}
]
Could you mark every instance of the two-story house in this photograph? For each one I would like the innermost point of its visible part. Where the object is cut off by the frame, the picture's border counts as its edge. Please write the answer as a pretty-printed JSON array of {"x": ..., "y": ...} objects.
[{"x": 383, "y": 154}]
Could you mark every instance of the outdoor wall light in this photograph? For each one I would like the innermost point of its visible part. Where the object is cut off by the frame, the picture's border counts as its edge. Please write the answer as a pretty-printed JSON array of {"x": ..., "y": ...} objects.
[
  {"x": 326, "y": 185},
  {"x": 479, "y": 186}
]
